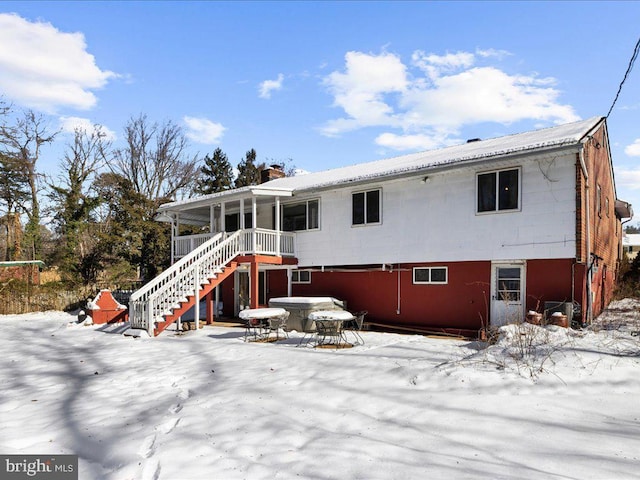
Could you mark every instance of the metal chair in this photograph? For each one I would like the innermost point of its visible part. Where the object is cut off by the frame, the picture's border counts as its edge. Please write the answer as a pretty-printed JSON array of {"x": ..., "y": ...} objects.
[
  {"x": 258, "y": 328},
  {"x": 354, "y": 326},
  {"x": 328, "y": 332},
  {"x": 277, "y": 324}
]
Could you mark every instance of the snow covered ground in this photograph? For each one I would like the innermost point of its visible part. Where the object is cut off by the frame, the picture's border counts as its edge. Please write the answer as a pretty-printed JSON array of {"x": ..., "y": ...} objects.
[{"x": 545, "y": 403}]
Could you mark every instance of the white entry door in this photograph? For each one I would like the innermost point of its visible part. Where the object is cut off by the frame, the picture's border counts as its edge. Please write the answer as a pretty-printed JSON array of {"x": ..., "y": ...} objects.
[{"x": 507, "y": 292}]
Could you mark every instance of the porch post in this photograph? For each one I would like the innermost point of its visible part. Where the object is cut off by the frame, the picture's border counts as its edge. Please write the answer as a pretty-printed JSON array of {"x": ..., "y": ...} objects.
[
  {"x": 212, "y": 219},
  {"x": 254, "y": 287},
  {"x": 254, "y": 224},
  {"x": 241, "y": 214},
  {"x": 277, "y": 226},
  {"x": 173, "y": 239},
  {"x": 223, "y": 226},
  {"x": 196, "y": 294},
  {"x": 289, "y": 279},
  {"x": 210, "y": 306}
]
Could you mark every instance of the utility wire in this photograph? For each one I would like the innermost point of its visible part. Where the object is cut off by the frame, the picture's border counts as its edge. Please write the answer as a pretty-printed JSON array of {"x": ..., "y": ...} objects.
[{"x": 629, "y": 68}]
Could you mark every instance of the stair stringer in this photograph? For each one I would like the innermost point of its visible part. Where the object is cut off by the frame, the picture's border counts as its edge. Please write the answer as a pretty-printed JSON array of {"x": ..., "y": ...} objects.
[{"x": 205, "y": 289}]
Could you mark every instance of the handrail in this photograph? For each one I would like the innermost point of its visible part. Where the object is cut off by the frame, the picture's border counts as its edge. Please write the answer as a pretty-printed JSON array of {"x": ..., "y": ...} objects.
[
  {"x": 184, "y": 278},
  {"x": 176, "y": 266}
]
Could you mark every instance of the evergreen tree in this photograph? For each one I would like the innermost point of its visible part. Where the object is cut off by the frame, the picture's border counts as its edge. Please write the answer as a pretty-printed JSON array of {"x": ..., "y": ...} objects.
[
  {"x": 74, "y": 204},
  {"x": 248, "y": 171},
  {"x": 216, "y": 175},
  {"x": 23, "y": 141}
]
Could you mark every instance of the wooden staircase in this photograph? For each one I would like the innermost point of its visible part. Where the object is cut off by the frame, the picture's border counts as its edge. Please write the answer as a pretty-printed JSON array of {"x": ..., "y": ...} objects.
[
  {"x": 190, "y": 301},
  {"x": 171, "y": 294}
]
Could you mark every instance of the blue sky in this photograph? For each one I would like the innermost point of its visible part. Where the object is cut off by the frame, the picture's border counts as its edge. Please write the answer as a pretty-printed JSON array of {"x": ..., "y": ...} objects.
[{"x": 327, "y": 84}]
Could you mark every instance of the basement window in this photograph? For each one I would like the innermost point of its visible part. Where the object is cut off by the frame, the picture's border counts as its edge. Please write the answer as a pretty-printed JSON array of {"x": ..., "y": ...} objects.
[
  {"x": 430, "y": 275},
  {"x": 301, "y": 276}
]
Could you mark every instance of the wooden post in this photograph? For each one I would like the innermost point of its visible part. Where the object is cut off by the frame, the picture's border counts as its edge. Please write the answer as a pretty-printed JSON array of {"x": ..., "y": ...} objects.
[
  {"x": 254, "y": 285},
  {"x": 209, "y": 302}
]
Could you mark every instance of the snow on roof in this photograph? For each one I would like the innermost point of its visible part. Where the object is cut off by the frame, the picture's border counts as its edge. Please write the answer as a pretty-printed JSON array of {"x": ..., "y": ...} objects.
[
  {"x": 564, "y": 135},
  {"x": 567, "y": 135},
  {"x": 631, "y": 239}
]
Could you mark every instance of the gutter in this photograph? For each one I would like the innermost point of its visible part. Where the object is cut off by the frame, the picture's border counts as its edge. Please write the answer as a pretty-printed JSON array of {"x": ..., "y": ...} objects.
[{"x": 583, "y": 166}]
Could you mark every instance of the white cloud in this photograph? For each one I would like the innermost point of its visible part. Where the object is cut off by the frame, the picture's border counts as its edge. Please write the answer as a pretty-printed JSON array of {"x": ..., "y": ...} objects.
[
  {"x": 203, "y": 130},
  {"x": 269, "y": 86},
  {"x": 421, "y": 141},
  {"x": 71, "y": 124},
  {"x": 429, "y": 101},
  {"x": 44, "y": 68},
  {"x": 633, "y": 150},
  {"x": 628, "y": 178},
  {"x": 361, "y": 90}
]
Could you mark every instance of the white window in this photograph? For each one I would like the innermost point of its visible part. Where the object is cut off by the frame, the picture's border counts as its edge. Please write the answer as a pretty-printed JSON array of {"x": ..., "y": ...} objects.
[
  {"x": 301, "y": 216},
  {"x": 366, "y": 207},
  {"x": 301, "y": 276},
  {"x": 430, "y": 275},
  {"x": 498, "y": 191}
]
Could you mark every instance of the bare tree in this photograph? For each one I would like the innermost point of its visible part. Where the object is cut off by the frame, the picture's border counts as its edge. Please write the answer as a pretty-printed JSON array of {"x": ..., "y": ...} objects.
[
  {"x": 155, "y": 159},
  {"x": 73, "y": 203},
  {"x": 22, "y": 142}
]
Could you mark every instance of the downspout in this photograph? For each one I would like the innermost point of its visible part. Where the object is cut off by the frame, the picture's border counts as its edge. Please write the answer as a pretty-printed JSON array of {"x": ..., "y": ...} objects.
[{"x": 589, "y": 316}]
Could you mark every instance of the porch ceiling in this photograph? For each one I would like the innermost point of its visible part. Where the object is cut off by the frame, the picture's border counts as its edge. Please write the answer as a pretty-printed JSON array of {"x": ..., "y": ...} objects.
[{"x": 196, "y": 211}]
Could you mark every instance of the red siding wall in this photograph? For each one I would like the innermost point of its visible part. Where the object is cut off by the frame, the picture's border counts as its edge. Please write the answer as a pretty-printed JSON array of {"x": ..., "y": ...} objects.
[
  {"x": 550, "y": 281},
  {"x": 458, "y": 306},
  {"x": 461, "y": 306}
]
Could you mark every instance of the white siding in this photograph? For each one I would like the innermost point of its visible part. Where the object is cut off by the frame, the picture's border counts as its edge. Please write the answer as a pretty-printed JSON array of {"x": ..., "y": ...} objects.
[{"x": 437, "y": 221}]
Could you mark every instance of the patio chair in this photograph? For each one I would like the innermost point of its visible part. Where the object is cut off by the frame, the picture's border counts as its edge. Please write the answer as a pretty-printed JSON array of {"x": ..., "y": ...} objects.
[
  {"x": 354, "y": 326},
  {"x": 258, "y": 328},
  {"x": 328, "y": 332},
  {"x": 279, "y": 323}
]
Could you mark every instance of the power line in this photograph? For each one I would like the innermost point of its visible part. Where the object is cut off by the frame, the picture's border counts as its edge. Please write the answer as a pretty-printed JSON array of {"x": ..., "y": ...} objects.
[{"x": 629, "y": 68}]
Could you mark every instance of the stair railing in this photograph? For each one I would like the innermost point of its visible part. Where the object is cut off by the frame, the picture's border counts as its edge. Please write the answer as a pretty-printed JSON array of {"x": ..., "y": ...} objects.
[{"x": 165, "y": 292}]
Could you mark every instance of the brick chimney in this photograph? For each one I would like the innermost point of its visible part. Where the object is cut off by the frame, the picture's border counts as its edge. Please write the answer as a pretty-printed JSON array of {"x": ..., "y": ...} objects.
[{"x": 272, "y": 172}]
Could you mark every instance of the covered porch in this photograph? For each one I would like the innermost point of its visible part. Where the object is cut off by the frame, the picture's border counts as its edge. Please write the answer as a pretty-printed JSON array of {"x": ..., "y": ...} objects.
[{"x": 254, "y": 214}]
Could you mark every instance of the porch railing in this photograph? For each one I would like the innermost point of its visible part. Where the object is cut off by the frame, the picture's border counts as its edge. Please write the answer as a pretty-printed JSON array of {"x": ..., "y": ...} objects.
[
  {"x": 188, "y": 243},
  {"x": 254, "y": 241}
]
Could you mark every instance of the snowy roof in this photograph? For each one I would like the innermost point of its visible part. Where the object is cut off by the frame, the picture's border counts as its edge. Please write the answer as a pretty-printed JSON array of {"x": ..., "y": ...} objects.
[
  {"x": 562, "y": 136},
  {"x": 631, "y": 239},
  {"x": 566, "y": 135}
]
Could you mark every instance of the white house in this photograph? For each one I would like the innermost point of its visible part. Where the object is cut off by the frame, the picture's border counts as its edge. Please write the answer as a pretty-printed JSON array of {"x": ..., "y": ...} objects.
[{"x": 451, "y": 240}]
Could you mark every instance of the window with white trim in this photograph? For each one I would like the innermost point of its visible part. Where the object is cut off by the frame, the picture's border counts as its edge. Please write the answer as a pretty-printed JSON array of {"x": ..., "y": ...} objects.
[
  {"x": 430, "y": 275},
  {"x": 366, "y": 207},
  {"x": 301, "y": 276},
  {"x": 301, "y": 216},
  {"x": 498, "y": 191}
]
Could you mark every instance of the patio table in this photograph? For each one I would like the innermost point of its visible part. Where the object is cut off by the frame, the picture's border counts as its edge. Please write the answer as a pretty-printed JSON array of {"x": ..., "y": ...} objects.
[
  {"x": 329, "y": 327},
  {"x": 260, "y": 322}
]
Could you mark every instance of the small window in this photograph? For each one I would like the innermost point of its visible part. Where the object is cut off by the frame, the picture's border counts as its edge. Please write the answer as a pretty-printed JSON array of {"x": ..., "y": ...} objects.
[
  {"x": 301, "y": 276},
  {"x": 498, "y": 191},
  {"x": 365, "y": 207},
  {"x": 301, "y": 216},
  {"x": 599, "y": 200},
  {"x": 430, "y": 275}
]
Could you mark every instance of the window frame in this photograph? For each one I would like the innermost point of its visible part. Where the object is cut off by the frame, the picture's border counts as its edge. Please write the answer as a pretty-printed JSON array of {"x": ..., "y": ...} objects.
[
  {"x": 366, "y": 213},
  {"x": 496, "y": 198},
  {"x": 306, "y": 214},
  {"x": 298, "y": 281},
  {"x": 430, "y": 281}
]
